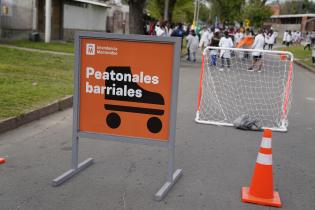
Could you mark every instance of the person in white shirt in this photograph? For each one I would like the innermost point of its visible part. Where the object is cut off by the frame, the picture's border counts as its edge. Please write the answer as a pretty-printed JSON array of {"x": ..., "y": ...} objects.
[
  {"x": 284, "y": 37},
  {"x": 298, "y": 35},
  {"x": 225, "y": 55},
  {"x": 271, "y": 39},
  {"x": 170, "y": 29},
  {"x": 308, "y": 41},
  {"x": 160, "y": 30},
  {"x": 193, "y": 45},
  {"x": 204, "y": 40},
  {"x": 267, "y": 36},
  {"x": 257, "y": 45},
  {"x": 188, "y": 41},
  {"x": 313, "y": 55},
  {"x": 288, "y": 39},
  {"x": 294, "y": 37},
  {"x": 238, "y": 36}
]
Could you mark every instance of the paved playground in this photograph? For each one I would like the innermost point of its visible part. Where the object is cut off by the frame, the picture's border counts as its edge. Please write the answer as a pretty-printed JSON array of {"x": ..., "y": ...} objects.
[{"x": 216, "y": 161}]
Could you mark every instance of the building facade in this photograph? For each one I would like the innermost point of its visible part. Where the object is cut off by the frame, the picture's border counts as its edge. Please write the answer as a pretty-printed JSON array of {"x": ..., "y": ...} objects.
[
  {"x": 21, "y": 17},
  {"x": 296, "y": 22},
  {"x": 293, "y": 22}
]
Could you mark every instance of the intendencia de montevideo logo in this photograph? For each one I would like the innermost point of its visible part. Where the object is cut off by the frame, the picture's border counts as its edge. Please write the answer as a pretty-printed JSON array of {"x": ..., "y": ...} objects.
[{"x": 92, "y": 49}]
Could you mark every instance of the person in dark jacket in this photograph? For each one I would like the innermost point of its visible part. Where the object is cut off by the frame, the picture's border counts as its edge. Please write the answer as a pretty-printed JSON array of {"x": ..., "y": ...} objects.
[
  {"x": 213, "y": 52},
  {"x": 179, "y": 32}
]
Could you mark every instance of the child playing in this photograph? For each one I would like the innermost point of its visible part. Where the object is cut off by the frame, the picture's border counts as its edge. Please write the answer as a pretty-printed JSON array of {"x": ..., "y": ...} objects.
[{"x": 225, "y": 55}]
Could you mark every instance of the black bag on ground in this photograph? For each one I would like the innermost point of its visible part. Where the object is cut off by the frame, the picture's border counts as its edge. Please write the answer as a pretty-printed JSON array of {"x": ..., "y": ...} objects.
[{"x": 245, "y": 122}]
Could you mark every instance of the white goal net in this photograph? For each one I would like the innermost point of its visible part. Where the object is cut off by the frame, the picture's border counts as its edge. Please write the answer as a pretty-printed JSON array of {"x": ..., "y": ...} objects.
[{"x": 236, "y": 82}]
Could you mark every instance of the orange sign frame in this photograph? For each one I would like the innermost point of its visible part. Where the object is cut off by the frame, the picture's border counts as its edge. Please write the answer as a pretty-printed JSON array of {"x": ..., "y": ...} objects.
[
  {"x": 126, "y": 86},
  {"x": 125, "y": 89}
]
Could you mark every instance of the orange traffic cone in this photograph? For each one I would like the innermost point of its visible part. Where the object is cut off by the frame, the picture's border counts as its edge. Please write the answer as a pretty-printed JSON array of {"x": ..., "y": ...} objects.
[
  {"x": 2, "y": 160},
  {"x": 261, "y": 188}
]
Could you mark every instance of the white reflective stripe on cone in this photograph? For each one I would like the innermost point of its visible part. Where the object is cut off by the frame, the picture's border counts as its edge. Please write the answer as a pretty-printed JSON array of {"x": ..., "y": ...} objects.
[
  {"x": 265, "y": 143},
  {"x": 264, "y": 159}
]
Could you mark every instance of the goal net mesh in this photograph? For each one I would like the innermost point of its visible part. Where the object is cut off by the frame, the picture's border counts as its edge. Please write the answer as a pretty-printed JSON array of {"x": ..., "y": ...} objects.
[{"x": 233, "y": 86}]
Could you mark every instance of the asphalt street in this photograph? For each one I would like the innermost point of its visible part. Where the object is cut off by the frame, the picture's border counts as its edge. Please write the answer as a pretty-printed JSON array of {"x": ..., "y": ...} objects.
[{"x": 216, "y": 161}]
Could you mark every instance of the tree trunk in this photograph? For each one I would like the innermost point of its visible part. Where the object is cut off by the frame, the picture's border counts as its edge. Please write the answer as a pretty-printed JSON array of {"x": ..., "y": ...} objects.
[
  {"x": 136, "y": 23},
  {"x": 171, "y": 9}
]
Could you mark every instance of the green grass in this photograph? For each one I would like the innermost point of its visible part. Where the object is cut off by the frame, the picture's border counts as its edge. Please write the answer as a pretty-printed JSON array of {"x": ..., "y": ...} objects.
[
  {"x": 304, "y": 56},
  {"x": 29, "y": 80},
  {"x": 67, "y": 47}
]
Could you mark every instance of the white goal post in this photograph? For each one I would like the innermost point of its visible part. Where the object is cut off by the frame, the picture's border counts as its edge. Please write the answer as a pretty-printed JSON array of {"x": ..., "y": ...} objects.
[{"x": 236, "y": 82}]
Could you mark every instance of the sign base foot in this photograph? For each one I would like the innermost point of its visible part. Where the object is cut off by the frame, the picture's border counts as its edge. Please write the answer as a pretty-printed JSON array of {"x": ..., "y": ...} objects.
[
  {"x": 168, "y": 185},
  {"x": 72, "y": 172}
]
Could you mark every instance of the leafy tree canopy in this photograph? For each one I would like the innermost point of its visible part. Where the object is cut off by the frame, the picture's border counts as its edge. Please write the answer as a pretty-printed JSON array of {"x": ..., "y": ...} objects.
[
  {"x": 179, "y": 10},
  {"x": 227, "y": 10},
  {"x": 183, "y": 11},
  {"x": 257, "y": 12},
  {"x": 156, "y": 8}
]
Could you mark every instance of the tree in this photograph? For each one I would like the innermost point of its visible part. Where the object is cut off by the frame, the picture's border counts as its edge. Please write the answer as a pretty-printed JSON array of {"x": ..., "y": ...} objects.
[
  {"x": 288, "y": 8},
  {"x": 257, "y": 12},
  {"x": 227, "y": 10},
  {"x": 204, "y": 13},
  {"x": 136, "y": 23},
  {"x": 179, "y": 10},
  {"x": 156, "y": 8},
  {"x": 183, "y": 11}
]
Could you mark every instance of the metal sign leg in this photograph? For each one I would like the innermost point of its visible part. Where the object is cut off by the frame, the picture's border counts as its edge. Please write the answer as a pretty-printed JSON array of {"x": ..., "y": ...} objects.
[
  {"x": 173, "y": 175},
  {"x": 75, "y": 167}
]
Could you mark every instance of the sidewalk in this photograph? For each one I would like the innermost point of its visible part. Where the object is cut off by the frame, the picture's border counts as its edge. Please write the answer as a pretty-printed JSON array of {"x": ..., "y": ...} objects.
[{"x": 36, "y": 50}]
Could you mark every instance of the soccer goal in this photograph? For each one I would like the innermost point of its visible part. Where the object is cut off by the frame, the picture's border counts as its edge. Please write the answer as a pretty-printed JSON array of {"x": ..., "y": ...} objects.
[{"x": 236, "y": 82}]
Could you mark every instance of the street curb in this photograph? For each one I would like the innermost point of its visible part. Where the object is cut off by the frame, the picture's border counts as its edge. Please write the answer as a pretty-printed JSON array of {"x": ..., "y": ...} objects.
[
  {"x": 14, "y": 122},
  {"x": 307, "y": 67}
]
